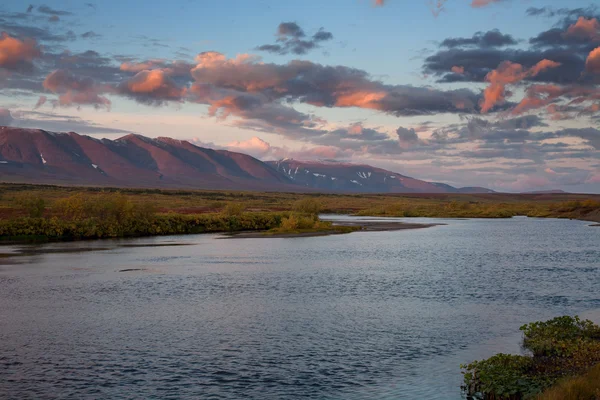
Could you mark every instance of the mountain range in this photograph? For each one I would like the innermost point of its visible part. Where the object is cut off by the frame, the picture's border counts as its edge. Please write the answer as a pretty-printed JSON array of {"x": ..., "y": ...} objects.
[{"x": 39, "y": 156}]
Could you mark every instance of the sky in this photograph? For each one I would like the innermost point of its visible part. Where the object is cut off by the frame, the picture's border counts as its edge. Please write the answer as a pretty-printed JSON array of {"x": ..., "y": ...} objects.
[{"x": 503, "y": 94}]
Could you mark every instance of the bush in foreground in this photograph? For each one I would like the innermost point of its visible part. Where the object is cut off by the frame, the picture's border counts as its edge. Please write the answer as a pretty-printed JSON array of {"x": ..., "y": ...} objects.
[{"x": 561, "y": 347}]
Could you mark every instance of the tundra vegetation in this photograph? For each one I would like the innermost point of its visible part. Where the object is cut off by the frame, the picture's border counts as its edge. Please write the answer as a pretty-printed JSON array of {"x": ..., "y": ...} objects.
[
  {"x": 563, "y": 363},
  {"x": 52, "y": 212}
]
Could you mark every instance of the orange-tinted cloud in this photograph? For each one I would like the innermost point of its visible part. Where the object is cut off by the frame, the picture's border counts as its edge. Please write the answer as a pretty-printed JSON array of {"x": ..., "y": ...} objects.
[
  {"x": 254, "y": 146},
  {"x": 379, "y": 3},
  {"x": 138, "y": 67},
  {"x": 152, "y": 87},
  {"x": 458, "y": 70},
  {"x": 360, "y": 99},
  {"x": 592, "y": 64},
  {"x": 508, "y": 73},
  {"x": 322, "y": 86},
  {"x": 171, "y": 68},
  {"x": 15, "y": 52},
  {"x": 584, "y": 28},
  {"x": 483, "y": 3}
]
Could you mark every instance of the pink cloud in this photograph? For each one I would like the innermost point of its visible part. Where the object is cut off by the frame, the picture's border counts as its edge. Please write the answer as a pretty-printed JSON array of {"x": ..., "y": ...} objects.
[
  {"x": 593, "y": 178},
  {"x": 483, "y": 3},
  {"x": 584, "y": 28},
  {"x": 592, "y": 64},
  {"x": 41, "y": 101},
  {"x": 152, "y": 87},
  {"x": 458, "y": 70},
  {"x": 74, "y": 90},
  {"x": 322, "y": 86},
  {"x": 171, "y": 68},
  {"x": 255, "y": 146},
  {"x": 508, "y": 73},
  {"x": 13, "y": 52}
]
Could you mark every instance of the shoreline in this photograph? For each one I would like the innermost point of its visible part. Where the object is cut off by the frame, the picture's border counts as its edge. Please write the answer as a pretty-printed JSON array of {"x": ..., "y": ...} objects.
[{"x": 352, "y": 226}]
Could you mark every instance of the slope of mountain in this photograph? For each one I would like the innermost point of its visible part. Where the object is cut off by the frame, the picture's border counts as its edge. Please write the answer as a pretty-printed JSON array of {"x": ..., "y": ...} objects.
[
  {"x": 38, "y": 156},
  {"x": 467, "y": 189},
  {"x": 336, "y": 176}
]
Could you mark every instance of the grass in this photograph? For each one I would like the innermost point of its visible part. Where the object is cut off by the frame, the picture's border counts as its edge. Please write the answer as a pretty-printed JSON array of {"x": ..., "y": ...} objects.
[
  {"x": 77, "y": 213},
  {"x": 562, "y": 349},
  {"x": 584, "y": 387}
]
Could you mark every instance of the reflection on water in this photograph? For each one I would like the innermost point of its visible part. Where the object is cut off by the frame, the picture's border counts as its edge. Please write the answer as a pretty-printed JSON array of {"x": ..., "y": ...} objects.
[{"x": 370, "y": 315}]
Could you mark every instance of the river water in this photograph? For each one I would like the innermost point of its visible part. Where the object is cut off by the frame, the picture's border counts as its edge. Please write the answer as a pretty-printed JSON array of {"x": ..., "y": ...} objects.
[{"x": 369, "y": 315}]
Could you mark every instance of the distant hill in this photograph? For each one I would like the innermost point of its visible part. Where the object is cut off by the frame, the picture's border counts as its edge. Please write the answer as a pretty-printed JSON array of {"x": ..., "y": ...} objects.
[
  {"x": 554, "y": 191},
  {"x": 38, "y": 156},
  {"x": 335, "y": 176}
]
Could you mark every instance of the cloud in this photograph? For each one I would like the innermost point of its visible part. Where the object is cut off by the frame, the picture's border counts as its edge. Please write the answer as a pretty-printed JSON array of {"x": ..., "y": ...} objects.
[
  {"x": 47, "y": 10},
  {"x": 584, "y": 29},
  {"x": 592, "y": 63},
  {"x": 569, "y": 43},
  {"x": 255, "y": 146},
  {"x": 407, "y": 137},
  {"x": 542, "y": 95},
  {"x": 493, "y": 38},
  {"x": 90, "y": 35},
  {"x": 436, "y": 7},
  {"x": 17, "y": 54},
  {"x": 152, "y": 87},
  {"x": 41, "y": 101},
  {"x": 483, "y": 3},
  {"x": 61, "y": 123},
  {"x": 509, "y": 73},
  {"x": 179, "y": 69},
  {"x": 14, "y": 27},
  {"x": 290, "y": 39},
  {"x": 74, "y": 90},
  {"x": 5, "y": 117},
  {"x": 326, "y": 86}
]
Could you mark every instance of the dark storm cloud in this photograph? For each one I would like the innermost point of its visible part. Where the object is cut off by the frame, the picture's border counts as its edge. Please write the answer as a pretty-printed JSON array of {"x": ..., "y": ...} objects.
[{"x": 291, "y": 39}]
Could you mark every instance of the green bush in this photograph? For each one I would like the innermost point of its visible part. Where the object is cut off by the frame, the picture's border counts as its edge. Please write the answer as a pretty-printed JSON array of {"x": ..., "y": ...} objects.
[
  {"x": 563, "y": 346},
  {"x": 233, "y": 209},
  {"x": 32, "y": 205},
  {"x": 307, "y": 206},
  {"x": 107, "y": 215}
]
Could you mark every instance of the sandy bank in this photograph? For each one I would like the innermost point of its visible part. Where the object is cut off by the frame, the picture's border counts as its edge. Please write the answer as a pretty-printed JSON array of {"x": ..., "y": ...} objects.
[{"x": 369, "y": 226}]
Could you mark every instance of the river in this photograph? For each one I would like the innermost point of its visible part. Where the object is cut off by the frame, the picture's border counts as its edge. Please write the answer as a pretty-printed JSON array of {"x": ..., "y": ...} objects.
[{"x": 369, "y": 315}]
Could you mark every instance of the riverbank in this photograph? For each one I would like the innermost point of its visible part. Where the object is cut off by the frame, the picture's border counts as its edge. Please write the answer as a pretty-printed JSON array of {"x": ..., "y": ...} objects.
[
  {"x": 565, "y": 353},
  {"x": 333, "y": 229},
  {"x": 50, "y": 213}
]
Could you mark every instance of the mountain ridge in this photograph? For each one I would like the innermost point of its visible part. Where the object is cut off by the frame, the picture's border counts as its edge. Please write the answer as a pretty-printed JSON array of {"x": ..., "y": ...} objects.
[{"x": 40, "y": 156}]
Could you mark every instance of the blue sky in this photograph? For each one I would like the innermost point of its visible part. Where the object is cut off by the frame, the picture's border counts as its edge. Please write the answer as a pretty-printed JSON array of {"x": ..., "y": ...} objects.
[{"x": 403, "y": 110}]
